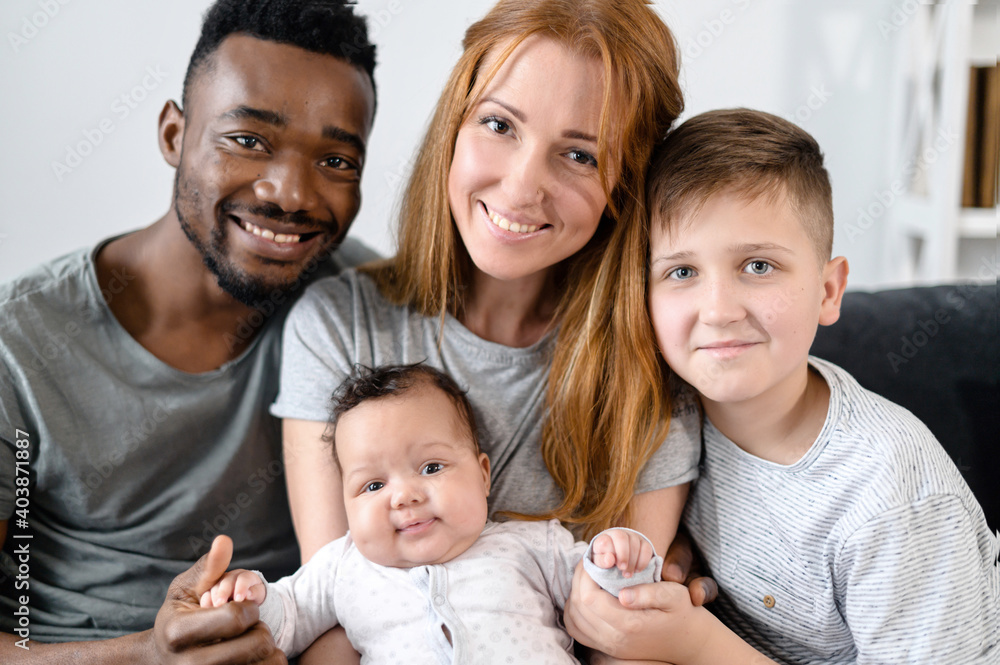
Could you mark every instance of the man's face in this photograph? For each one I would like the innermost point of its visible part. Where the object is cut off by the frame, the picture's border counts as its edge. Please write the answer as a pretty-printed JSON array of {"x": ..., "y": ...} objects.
[{"x": 269, "y": 173}]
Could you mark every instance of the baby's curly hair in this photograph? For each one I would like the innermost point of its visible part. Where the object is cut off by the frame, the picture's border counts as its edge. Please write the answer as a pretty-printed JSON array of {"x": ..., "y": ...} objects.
[{"x": 367, "y": 383}]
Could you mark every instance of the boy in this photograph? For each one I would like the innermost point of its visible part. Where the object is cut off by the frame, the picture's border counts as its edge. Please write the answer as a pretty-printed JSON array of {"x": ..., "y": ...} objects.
[
  {"x": 422, "y": 576},
  {"x": 837, "y": 527}
]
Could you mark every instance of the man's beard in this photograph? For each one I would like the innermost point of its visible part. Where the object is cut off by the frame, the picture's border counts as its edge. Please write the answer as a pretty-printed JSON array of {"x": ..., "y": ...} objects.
[{"x": 247, "y": 288}]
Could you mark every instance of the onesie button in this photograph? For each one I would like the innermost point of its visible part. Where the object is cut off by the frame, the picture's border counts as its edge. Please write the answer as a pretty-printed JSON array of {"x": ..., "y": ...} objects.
[{"x": 768, "y": 602}]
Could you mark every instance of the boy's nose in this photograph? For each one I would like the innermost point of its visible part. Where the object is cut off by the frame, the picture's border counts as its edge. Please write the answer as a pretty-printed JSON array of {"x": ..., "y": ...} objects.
[{"x": 721, "y": 304}]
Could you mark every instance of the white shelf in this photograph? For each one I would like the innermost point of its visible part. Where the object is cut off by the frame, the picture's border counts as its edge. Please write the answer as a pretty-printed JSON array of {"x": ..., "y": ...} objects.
[{"x": 978, "y": 223}]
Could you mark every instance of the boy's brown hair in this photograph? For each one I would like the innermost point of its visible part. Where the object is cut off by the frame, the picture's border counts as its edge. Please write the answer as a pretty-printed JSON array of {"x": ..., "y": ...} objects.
[{"x": 751, "y": 153}]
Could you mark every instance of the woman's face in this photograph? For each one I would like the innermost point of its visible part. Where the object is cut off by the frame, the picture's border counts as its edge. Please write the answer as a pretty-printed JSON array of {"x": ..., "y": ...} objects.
[{"x": 523, "y": 186}]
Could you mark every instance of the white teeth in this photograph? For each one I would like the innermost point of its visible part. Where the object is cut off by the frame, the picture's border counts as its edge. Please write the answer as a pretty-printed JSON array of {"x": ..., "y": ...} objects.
[
  {"x": 513, "y": 227},
  {"x": 270, "y": 235}
]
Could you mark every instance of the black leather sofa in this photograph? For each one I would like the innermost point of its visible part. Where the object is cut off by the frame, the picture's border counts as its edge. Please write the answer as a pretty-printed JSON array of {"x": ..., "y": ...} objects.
[{"x": 936, "y": 351}]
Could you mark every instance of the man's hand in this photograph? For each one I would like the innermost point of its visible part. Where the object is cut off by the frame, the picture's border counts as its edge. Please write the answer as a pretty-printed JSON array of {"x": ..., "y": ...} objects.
[
  {"x": 226, "y": 635},
  {"x": 682, "y": 565}
]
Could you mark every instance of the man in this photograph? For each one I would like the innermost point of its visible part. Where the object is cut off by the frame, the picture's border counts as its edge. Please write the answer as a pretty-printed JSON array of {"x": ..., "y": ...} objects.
[{"x": 135, "y": 377}]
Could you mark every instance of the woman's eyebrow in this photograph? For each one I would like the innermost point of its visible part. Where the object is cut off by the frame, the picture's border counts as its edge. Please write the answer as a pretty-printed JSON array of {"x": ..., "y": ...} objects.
[{"x": 519, "y": 115}]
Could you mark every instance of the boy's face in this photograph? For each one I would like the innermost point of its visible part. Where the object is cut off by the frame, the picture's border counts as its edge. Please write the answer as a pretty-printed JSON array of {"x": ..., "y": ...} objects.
[
  {"x": 735, "y": 292},
  {"x": 414, "y": 487}
]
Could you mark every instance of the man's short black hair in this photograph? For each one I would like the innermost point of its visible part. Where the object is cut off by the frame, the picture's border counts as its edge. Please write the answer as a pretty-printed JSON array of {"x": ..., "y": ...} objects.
[
  {"x": 367, "y": 383},
  {"x": 329, "y": 27}
]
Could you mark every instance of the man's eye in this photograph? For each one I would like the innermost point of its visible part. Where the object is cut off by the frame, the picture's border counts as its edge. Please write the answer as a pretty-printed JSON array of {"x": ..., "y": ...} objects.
[
  {"x": 374, "y": 486},
  {"x": 758, "y": 268},
  {"x": 340, "y": 164},
  {"x": 249, "y": 142},
  {"x": 432, "y": 468}
]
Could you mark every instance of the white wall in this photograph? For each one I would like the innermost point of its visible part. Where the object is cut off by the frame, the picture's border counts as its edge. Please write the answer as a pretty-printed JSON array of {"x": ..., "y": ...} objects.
[{"x": 61, "y": 80}]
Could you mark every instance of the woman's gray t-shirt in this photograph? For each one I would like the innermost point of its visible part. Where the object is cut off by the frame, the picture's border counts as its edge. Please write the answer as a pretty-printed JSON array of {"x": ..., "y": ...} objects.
[{"x": 344, "y": 320}]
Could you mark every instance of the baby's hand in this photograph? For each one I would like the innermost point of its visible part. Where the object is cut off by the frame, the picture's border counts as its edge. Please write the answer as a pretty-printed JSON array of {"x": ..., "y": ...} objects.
[
  {"x": 235, "y": 585},
  {"x": 628, "y": 550}
]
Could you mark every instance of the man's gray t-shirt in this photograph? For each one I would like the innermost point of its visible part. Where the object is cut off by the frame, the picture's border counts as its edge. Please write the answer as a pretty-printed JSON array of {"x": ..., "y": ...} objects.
[
  {"x": 134, "y": 466},
  {"x": 344, "y": 320}
]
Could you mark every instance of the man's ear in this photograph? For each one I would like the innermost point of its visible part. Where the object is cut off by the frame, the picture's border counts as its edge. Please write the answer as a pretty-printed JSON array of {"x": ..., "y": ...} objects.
[
  {"x": 171, "y": 133},
  {"x": 834, "y": 283}
]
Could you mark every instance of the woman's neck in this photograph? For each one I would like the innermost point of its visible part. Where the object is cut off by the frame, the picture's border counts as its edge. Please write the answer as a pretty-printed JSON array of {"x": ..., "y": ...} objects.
[{"x": 513, "y": 313}]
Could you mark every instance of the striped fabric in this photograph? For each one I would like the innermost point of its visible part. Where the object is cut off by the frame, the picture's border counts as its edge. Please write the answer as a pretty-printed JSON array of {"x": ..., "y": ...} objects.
[{"x": 869, "y": 549}]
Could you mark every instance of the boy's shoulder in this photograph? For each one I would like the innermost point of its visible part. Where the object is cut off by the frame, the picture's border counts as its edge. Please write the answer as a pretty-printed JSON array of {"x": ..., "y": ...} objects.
[{"x": 883, "y": 449}]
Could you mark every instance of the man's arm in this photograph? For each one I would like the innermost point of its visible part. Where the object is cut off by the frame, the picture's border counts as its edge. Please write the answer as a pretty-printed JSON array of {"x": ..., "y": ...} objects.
[{"x": 183, "y": 633}]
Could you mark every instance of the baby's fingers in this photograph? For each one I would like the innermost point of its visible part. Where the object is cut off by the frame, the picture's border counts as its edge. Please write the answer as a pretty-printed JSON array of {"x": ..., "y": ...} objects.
[
  {"x": 248, "y": 587},
  {"x": 603, "y": 553},
  {"x": 222, "y": 591},
  {"x": 645, "y": 554}
]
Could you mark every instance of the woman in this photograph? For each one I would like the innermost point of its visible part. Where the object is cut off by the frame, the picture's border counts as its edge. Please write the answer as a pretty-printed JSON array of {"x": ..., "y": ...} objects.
[{"x": 530, "y": 176}]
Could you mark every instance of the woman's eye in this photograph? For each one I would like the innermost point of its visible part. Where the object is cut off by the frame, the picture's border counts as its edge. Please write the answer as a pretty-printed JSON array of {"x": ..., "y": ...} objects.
[
  {"x": 432, "y": 468},
  {"x": 498, "y": 125},
  {"x": 582, "y": 157},
  {"x": 374, "y": 486},
  {"x": 758, "y": 268},
  {"x": 682, "y": 272}
]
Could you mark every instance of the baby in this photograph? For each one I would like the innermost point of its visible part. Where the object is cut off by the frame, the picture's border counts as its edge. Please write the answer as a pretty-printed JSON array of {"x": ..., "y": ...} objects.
[{"x": 423, "y": 575}]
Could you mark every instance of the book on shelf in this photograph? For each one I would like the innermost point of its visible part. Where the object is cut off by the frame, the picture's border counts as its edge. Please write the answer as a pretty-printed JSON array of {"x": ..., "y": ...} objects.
[{"x": 982, "y": 138}]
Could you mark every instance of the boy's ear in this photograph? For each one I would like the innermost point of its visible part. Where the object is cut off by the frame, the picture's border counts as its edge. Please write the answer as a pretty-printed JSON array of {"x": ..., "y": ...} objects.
[
  {"x": 834, "y": 283},
  {"x": 171, "y": 133},
  {"x": 484, "y": 462}
]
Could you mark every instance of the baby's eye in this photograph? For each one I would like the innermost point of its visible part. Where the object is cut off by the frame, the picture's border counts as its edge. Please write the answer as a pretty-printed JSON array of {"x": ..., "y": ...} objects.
[
  {"x": 374, "y": 486},
  {"x": 432, "y": 468},
  {"x": 758, "y": 268},
  {"x": 682, "y": 272}
]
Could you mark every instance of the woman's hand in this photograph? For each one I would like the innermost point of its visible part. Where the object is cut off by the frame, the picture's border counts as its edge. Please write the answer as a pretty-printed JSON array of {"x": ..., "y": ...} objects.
[{"x": 656, "y": 621}]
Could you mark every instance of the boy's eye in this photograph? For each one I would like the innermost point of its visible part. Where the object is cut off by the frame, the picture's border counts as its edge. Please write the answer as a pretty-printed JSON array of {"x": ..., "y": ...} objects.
[
  {"x": 374, "y": 486},
  {"x": 683, "y": 272},
  {"x": 758, "y": 268},
  {"x": 432, "y": 468}
]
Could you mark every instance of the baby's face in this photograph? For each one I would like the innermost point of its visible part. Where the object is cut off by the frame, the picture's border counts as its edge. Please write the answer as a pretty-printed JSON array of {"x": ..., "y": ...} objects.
[
  {"x": 736, "y": 291},
  {"x": 414, "y": 487}
]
